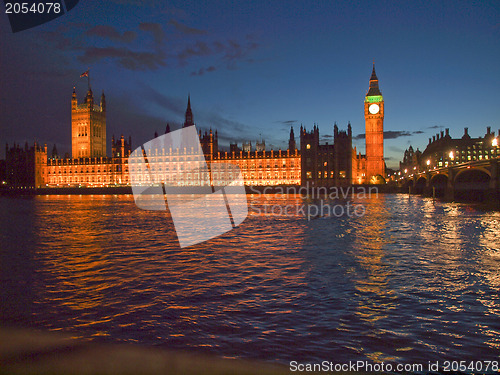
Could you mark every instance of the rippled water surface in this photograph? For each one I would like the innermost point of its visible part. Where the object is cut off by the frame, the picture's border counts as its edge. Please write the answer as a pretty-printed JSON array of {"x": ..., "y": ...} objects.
[{"x": 411, "y": 280}]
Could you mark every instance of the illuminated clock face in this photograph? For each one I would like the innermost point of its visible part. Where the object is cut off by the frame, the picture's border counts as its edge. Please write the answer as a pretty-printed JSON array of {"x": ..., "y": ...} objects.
[{"x": 374, "y": 108}]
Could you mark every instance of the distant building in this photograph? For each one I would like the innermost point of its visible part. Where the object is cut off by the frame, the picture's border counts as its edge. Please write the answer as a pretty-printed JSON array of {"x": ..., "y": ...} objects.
[
  {"x": 410, "y": 159},
  {"x": 260, "y": 146},
  {"x": 25, "y": 166},
  {"x": 326, "y": 165},
  {"x": 3, "y": 172},
  {"x": 233, "y": 147},
  {"x": 443, "y": 151},
  {"x": 247, "y": 146}
]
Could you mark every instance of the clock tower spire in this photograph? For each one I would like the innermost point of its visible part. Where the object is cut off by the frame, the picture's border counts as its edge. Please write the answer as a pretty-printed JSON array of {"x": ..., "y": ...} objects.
[{"x": 374, "y": 129}]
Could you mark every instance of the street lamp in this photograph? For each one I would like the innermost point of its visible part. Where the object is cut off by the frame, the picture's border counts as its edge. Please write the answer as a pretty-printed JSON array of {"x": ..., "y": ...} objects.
[
  {"x": 494, "y": 143},
  {"x": 428, "y": 162},
  {"x": 452, "y": 156}
]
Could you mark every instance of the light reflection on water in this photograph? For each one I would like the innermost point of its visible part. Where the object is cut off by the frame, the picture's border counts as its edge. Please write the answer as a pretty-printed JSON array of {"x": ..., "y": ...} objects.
[{"x": 412, "y": 280}]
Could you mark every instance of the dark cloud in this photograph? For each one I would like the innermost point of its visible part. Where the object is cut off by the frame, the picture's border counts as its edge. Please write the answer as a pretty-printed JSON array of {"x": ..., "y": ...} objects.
[
  {"x": 235, "y": 51},
  {"x": 199, "y": 49},
  {"x": 286, "y": 122},
  {"x": 202, "y": 71},
  {"x": 172, "y": 104},
  {"x": 396, "y": 149},
  {"x": 186, "y": 29},
  {"x": 230, "y": 52},
  {"x": 435, "y": 127},
  {"x": 60, "y": 40},
  {"x": 129, "y": 118},
  {"x": 229, "y": 131},
  {"x": 109, "y": 32},
  {"x": 418, "y": 132},
  {"x": 127, "y": 58},
  {"x": 391, "y": 134},
  {"x": 75, "y": 37},
  {"x": 124, "y": 56},
  {"x": 155, "y": 29}
]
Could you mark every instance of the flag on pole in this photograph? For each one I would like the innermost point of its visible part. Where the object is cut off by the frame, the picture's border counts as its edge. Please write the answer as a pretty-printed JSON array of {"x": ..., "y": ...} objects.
[{"x": 85, "y": 74}]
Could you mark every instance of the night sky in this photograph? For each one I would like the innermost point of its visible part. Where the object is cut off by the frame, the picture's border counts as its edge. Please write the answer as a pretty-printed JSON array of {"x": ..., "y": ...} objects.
[{"x": 256, "y": 68}]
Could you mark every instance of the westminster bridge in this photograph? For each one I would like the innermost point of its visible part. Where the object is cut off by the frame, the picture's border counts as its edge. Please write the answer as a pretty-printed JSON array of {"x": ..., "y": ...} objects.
[{"x": 473, "y": 180}]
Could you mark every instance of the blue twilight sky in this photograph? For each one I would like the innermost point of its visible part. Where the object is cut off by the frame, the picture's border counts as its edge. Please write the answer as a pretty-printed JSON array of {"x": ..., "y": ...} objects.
[{"x": 256, "y": 68}]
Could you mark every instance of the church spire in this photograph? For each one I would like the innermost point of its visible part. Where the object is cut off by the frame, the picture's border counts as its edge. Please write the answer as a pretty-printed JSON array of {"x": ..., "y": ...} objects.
[
  {"x": 189, "y": 114},
  {"x": 291, "y": 141}
]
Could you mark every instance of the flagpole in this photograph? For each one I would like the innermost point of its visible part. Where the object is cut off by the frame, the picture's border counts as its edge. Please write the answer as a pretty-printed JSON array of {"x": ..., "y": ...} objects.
[{"x": 86, "y": 74}]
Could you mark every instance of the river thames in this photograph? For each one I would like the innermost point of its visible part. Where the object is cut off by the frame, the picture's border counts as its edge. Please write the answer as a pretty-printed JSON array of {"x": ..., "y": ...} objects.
[{"x": 409, "y": 281}]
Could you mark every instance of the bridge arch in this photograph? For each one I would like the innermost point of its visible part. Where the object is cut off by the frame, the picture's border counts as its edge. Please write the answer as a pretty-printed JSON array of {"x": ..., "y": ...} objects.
[
  {"x": 420, "y": 185},
  {"x": 377, "y": 180},
  {"x": 408, "y": 184},
  {"x": 472, "y": 184},
  {"x": 439, "y": 183},
  {"x": 468, "y": 170}
]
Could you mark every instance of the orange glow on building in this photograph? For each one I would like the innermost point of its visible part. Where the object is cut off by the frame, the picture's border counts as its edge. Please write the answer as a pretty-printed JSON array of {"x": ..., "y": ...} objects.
[
  {"x": 88, "y": 127},
  {"x": 374, "y": 130},
  {"x": 312, "y": 163}
]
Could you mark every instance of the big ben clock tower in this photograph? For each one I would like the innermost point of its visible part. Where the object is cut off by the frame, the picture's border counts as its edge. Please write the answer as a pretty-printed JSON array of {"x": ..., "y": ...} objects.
[{"x": 374, "y": 128}]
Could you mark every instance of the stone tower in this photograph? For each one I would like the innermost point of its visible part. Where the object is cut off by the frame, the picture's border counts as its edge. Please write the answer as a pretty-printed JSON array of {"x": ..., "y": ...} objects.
[
  {"x": 374, "y": 128},
  {"x": 88, "y": 127}
]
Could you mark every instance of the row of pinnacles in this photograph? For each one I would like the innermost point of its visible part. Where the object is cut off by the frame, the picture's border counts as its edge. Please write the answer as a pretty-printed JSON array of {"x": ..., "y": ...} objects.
[
  {"x": 314, "y": 163},
  {"x": 90, "y": 166},
  {"x": 326, "y": 164}
]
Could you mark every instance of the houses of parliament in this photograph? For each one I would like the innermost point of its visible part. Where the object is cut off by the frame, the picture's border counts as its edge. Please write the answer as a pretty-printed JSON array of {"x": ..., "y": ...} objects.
[{"x": 311, "y": 163}]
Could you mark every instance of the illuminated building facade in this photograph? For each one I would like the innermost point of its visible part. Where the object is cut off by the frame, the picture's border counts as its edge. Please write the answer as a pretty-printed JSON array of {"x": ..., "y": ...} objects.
[
  {"x": 326, "y": 165},
  {"x": 443, "y": 151},
  {"x": 90, "y": 171},
  {"x": 88, "y": 127},
  {"x": 258, "y": 167},
  {"x": 265, "y": 167},
  {"x": 311, "y": 163},
  {"x": 374, "y": 131},
  {"x": 261, "y": 166}
]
